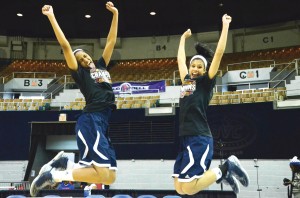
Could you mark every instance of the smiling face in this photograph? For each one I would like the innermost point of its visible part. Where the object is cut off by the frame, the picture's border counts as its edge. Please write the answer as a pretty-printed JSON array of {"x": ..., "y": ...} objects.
[
  {"x": 83, "y": 58},
  {"x": 197, "y": 68}
]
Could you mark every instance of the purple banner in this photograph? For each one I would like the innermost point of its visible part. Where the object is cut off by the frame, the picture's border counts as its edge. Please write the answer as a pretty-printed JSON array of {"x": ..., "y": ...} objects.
[{"x": 138, "y": 88}]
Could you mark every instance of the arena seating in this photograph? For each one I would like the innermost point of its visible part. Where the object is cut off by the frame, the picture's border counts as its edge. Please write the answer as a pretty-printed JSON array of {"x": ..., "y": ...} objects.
[
  {"x": 152, "y": 69},
  {"x": 147, "y": 101},
  {"x": 248, "y": 96},
  {"x": 147, "y": 70},
  {"x": 95, "y": 196},
  {"x": 16, "y": 196},
  {"x": 121, "y": 196},
  {"x": 146, "y": 196}
]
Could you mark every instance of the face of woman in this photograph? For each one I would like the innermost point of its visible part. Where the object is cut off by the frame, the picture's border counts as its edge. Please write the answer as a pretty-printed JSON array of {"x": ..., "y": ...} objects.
[
  {"x": 83, "y": 58},
  {"x": 197, "y": 68}
]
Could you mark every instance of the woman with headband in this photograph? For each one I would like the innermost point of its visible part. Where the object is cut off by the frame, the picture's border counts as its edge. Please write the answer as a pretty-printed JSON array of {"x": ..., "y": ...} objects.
[
  {"x": 98, "y": 160},
  {"x": 191, "y": 169}
]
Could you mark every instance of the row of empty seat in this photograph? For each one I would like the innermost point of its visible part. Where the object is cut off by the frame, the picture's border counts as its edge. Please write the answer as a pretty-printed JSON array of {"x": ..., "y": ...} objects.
[
  {"x": 279, "y": 55},
  {"x": 24, "y": 104},
  {"x": 148, "y": 101},
  {"x": 127, "y": 102},
  {"x": 153, "y": 69},
  {"x": 248, "y": 96}
]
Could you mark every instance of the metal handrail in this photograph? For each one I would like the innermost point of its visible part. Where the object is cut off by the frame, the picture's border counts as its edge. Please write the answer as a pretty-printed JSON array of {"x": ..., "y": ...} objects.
[
  {"x": 297, "y": 66},
  {"x": 284, "y": 69},
  {"x": 174, "y": 77},
  {"x": 250, "y": 63},
  {"x": 61, "y": 86},
  {"x": 250, "y": 83},
  {"x": 43, "y": 94},
  {"x": 34, "y": 73}
]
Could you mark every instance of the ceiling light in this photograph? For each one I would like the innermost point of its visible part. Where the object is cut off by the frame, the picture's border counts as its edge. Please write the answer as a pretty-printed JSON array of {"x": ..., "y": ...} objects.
[
  {"x": 87, "y": 16},
  {"x": 152, "y": 13},
  {"x": 19, "y": 14}
]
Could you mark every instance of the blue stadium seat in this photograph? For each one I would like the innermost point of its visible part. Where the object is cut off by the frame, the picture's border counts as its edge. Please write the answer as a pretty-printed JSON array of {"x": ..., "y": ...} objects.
[
  {"x": 171, "y": 196},
  {"x": 146, "y": 196},
  {"x": 95, "y": 196},
  {"x": 16, "y": 196},
  {"x": 122, "y": 196}
]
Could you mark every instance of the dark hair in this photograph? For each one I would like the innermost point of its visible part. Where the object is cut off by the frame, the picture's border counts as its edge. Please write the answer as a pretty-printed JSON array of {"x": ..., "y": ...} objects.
[
  {"x": 295, "y": 166},
  {"x": 204, "y": 50}
]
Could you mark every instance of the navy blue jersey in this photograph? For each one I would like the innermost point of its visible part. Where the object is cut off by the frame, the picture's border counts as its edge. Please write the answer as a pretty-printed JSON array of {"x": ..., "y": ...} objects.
[
  {"x": 95, "y": 85},
  {"x": 195, "y": 97}
]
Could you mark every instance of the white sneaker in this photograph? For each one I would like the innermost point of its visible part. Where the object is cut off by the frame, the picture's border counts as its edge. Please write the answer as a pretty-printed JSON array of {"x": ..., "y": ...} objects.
[
  {"x": 235, "y": 168},
  {"x": 40, "y": 182},
  {"x": 48, "y": 167}
]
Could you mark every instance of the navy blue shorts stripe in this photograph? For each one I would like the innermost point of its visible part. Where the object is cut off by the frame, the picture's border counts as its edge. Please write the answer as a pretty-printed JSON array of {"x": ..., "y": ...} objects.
[
  {"x": 93, "y": 142},
  {"x": 194, "y": 157}
]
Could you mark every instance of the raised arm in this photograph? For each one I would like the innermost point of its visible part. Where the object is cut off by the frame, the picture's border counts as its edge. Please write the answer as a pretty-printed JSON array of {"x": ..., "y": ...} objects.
[
  {"x": 64, "y": 43},
  {"x": 220, "y": 47},
  {"x": 112, "y": 35},
  {"x": 181, "y": 57}
]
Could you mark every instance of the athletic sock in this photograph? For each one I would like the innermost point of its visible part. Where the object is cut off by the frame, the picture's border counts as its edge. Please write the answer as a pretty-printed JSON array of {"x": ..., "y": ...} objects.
[
  {"x": 70, "y": 165},
  {"x": 218, "y": 172},
  {"x": 59, "y": 176},
  {"x": 224, "y": 168}
]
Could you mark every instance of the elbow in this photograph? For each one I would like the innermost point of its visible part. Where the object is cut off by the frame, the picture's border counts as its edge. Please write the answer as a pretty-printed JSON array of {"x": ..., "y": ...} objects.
[
  {"x": 112, "y": 42},
  {"x": 65, "y": 46}
]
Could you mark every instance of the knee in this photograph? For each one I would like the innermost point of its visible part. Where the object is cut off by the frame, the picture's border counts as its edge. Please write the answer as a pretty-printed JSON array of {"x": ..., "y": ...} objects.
[
  {"x": 189, "y": 188},
  {"x": 179, "y": 191},
  {"x": 178, "y": 188},
  {"x": 111, "y": 177},
  {"x": 181, "y": 187}
]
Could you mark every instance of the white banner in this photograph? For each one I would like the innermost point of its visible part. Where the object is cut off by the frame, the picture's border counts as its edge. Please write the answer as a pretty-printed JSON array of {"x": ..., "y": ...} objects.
[
  {"x": 248, "y": 75},
  {"x": 30, "y": 83}
]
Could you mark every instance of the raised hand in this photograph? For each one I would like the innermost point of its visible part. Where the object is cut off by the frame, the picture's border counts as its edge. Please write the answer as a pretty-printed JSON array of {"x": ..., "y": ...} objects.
[
  {"x": 187, "y": 33},
  {"x": 47, "y": 10},
  {"x": 226, "y": 19},
  {"x": 110, "y": 6}
]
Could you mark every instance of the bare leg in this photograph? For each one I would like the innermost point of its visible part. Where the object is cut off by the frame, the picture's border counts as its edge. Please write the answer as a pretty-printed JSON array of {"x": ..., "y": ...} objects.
[
  {"x": 94, "y": 174},
  {"x": 193, "y": 187}
]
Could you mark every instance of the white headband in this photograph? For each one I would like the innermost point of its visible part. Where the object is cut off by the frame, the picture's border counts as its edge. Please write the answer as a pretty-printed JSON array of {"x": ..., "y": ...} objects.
[
  {"x": 77, "y": 50},
  {"x": 199, "y": 57}
]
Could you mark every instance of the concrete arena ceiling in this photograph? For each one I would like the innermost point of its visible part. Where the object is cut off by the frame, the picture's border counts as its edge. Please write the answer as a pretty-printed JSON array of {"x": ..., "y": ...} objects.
[{"x": 173, "y": 16}]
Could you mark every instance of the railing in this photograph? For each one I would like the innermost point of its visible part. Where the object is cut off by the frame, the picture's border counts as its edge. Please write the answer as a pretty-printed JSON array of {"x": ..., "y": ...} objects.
[
  {"x": 6, "y": 78},
  {"x": 249, "y": 84},
  {"x": 286, "y": 68},
  {"x": 59, "y": 84},
  {"x": 34, "y": 74},
  {"x": 250, "y": 63},
  {"x": 13, "y": 185},
  {"x": 25, "y": 95},
  {"x": 297, "y": 66},
  {"x": 174, "y": 77}
]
